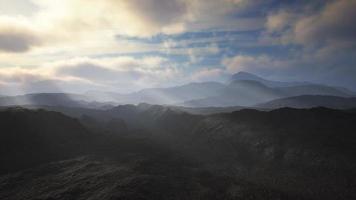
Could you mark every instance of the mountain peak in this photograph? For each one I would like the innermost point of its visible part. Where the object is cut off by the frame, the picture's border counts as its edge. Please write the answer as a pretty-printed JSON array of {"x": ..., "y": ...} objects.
[
  {"x": 246, "y": 76},
  {"x": 244, "y": 73},
  {"x": 243, "y": 76}
]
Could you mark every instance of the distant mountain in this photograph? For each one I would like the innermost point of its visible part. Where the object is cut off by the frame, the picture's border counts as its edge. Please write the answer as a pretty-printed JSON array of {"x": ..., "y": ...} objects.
[
  {"x": 309, "y": 101},
  {"x": 169, "y": 95},
  {"x": 238, "y": 93},
  {"x": 314, "y": 89},
  {"x": 248, "y": 76},
  {"x": 51, "y": 99},
  {"x": 55, "y": 99},
  {"x": 295, "y": 88},
  {"x": 251, "y": 92},
  {"x": 207, "y": 110},
  {"x": 245, "y": 89}
]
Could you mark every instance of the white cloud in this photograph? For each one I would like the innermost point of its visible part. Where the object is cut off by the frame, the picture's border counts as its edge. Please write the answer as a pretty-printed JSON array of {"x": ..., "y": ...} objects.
[
  {"x": 279, "y": 21},
  {"x": 134, "y": 17},
  {"x": 57, "y": 30},
  {"x": 82, "y": 74},
  {"x": 196, "y": 54},
  {"x": 208, "y": 74},
  {"x": 252, "y": 63}
]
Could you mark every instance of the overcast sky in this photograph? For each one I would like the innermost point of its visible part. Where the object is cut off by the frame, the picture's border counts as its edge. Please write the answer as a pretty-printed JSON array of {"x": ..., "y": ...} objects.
[{"x": 126, "y": 45}]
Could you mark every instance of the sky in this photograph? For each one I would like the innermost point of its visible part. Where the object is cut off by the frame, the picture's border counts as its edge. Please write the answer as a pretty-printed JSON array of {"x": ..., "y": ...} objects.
[{"x": 126, "y": 45}]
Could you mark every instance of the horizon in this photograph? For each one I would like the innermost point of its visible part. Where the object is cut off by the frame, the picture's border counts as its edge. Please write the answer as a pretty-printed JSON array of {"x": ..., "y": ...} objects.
[
  {"x": 72, "y": 47},
  {"x": 227, "y": 81}
]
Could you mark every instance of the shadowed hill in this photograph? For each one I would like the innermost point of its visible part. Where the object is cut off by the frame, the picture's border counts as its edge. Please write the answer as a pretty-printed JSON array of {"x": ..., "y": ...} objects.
[
  {"x": 121, "y": 167},
  {"x": 309, "y": 101},
  {"x": 280, "y": 154},
  {"x": 32, "y": 137},
  {"x": 248, "y": 76}
]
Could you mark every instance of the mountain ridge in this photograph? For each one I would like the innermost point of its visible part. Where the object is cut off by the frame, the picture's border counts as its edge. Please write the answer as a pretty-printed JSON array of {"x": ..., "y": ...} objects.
[
  {"x": 310, "y": 101},
  {"x": 246, "y": 90},
  {"x": 249, "y": 76}
]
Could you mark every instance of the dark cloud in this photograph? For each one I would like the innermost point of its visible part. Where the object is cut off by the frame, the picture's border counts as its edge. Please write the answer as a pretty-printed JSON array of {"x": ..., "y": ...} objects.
[
  {"x": 17, "y": 41},
  {"x": 331, "y": 23},
  {"x": 161, "y": 12},
  {"x": 335, "y": 22}
]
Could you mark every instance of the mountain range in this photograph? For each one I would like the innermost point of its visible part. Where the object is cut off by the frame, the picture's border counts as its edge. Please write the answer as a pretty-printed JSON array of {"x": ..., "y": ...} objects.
[
  {"x": 246, "y": 89},
  {"x": 310, "y": 101},
  {"x": 251, "y": 77},
  {"x": 243, "y": 90}
]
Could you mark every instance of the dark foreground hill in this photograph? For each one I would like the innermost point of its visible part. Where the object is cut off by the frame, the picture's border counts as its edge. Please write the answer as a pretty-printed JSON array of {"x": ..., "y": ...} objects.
[
  {"x": 160, "y": 153},
  {"x": 33, "y": 137},
  {"x": 109, "y": 167}
]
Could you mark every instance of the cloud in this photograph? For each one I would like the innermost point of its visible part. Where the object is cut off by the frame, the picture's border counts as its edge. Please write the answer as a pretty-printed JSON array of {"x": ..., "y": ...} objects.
[
  {"x": 16, "y": 36},
  {"x": 208, "y": 74},
  {"x": 279, "y": 21},
  {"x": 18, "y": 75},
  {"x": 321, "y": 36},
  {"x": 197, "y": 54},
  {"x": 162, "y": 15},
  {"x": 85, "y": 28},
  {"x": 16, "y": 41},
  {"x": 83, "y": 42},
  {"x": 315, "y": 27},
  {"x": 253, "y": 63},
  {"x": 120, "y": 74},
  {"x": 133, "y": 17},
  {"x": 125, "y": 73},
  {"x": 333, "y": 23}
]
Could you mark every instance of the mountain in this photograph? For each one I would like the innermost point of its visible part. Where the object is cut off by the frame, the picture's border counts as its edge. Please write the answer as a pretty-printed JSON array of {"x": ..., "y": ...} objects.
[
  {"x": 314, "y": 89},
  {"x": 251, "y": 77},
  {"x": 305, "y": 146},
  {"x": 47, "y": 155},
  {"x": 162, "y": 96},
  {"x": 169, "y": 154},
  {"x": 206, "y": 110},
  {"x": 30, "y": 138},
  {"x": 251, "y": 92},
  {"x": 51, "y": 99},
  {"x": 244, "y": 89},
  {"x": 309, "y": 101},
  {"x": 238, "y": 93}
]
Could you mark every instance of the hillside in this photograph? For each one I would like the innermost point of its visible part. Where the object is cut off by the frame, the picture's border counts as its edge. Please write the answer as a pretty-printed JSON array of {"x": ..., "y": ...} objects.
[
  {"x": 252, "y": 77},
  {"x": 33, "y": 137},
  {"x": 280, "y": 154},
  {"x": 310, "y": 101}
]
